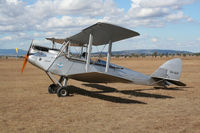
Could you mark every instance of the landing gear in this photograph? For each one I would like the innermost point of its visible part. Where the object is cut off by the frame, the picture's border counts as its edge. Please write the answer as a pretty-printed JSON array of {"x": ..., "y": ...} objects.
[
  {"x": 60, "y": 87},
  {"x": 52, "y": 89},
  {"x": 62, "y": 92}
]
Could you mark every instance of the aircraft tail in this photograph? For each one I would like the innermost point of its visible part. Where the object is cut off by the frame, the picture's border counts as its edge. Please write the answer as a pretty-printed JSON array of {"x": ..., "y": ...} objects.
[{"x": 169, "y": 73}]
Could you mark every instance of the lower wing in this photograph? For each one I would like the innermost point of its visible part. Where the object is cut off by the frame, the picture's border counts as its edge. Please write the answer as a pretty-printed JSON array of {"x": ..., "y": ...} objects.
[{"x": 97, "y": 77}]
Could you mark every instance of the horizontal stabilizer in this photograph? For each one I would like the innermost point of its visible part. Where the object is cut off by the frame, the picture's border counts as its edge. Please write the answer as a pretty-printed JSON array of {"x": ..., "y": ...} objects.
[
  {"x": 178, "y": 83},
  {"x": 175, "y": 82}
]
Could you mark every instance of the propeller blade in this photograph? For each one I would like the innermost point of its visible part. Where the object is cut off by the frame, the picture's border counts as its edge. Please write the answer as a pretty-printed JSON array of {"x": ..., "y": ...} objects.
[
  {"x": 26, "y": 57},
  {"x": 30, "y": 48},
  {"x": 24, "y": 64}
]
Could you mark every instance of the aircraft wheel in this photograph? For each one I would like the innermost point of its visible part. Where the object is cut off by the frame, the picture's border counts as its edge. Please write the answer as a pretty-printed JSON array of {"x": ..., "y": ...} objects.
[
  {"x": 62, "y": 92},
  {"x": 52, "y": 89}
]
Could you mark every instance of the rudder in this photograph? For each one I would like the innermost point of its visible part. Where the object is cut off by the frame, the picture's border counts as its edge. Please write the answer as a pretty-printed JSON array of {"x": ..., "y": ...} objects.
[{"x": 169, "y": 70}]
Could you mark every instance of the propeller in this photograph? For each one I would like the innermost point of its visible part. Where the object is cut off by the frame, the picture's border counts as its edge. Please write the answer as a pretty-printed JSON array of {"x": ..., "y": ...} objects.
[{"x": 26, "y": 57}]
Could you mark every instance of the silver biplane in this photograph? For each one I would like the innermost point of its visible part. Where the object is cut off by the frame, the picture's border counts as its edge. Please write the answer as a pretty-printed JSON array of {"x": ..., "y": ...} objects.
[{"x": 80, "y": 67}]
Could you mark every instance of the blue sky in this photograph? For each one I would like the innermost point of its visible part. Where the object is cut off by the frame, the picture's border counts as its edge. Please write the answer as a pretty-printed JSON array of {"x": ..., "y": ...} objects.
[{"x": 171, "y": 24}]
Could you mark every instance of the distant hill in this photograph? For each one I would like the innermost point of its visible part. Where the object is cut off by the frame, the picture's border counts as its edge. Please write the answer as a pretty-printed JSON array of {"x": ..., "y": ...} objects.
[
  {"x": 12, "y": 52},
  {"x": 146, "y": 52}
]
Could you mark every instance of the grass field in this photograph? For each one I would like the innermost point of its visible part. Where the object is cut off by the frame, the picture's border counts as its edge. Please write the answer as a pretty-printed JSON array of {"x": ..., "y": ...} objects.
[{"x": 26, "y": 106}]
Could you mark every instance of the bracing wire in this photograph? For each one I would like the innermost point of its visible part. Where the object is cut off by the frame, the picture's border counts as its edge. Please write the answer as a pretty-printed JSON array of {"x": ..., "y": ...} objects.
[{"x": 99, "y": 56}]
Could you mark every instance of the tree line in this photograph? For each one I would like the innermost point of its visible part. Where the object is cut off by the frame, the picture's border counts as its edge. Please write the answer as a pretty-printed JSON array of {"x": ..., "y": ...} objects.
[{"x": 156, "y": 54}]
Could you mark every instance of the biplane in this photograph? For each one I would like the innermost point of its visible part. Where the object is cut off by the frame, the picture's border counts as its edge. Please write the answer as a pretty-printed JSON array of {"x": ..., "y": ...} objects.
[{"x": 81, "y": 67}]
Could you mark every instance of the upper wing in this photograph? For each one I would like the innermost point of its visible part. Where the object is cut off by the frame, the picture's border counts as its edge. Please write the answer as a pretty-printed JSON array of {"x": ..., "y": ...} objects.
[
  {"x": 96, "y": 77},
  {"x": 60, "y": 41},
  {"x": 102, "y": 34}
]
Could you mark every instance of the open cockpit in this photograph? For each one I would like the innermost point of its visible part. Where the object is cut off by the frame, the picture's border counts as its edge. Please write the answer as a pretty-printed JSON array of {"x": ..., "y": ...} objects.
[{"x": 45, "y": 49}]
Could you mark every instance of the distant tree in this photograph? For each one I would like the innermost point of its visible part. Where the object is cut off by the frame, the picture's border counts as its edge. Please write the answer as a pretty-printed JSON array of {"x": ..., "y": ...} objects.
[
  {"x": 166, "y": 54},
  {"x": 137, "y": 55},
  {"x": 117, "y": 56},
  {"x": 155, "y": 54},
  {"x": 143, "y": 55},
  {"x": 179, "y": 54},
  {"x": 184, "y": 54},
  {"x": 161, "y": 55},
  {"x": 132, "y": 55}
]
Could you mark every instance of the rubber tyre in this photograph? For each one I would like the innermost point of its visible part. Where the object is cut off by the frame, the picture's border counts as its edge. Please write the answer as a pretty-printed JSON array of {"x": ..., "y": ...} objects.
[
  {"x": 52, "y": 89},
  {"x": 62, "y": 92}
]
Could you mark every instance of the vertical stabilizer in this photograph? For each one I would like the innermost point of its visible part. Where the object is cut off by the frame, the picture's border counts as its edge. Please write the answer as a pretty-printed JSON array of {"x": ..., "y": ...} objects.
[{"x": 169, "y": 70}]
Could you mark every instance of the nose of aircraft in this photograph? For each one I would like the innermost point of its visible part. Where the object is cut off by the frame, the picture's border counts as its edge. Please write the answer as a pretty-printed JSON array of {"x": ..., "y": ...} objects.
[{"x": 26, "y": 57}]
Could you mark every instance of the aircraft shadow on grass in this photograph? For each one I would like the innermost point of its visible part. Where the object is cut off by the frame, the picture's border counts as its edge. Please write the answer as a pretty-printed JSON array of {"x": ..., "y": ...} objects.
[
  {"x": 170, "y": 89},
  {"x": 105, "y": 89},
  {"x": 99, "y": 95},
  {"x": 127, "y": 92}
]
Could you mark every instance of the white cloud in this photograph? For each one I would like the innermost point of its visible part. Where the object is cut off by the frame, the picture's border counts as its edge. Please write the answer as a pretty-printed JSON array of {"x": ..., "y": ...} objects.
[
  {"x": 160, "y": 10},
  {"x": 179, "y": 15},
  {"x": 45, "y": 15},
  {"x": 154, "y": 39},
  {"x": 175, "y": 16},
  {"x": 12, "y": 1},
  {"x": 170, "y": 39},
  {"x": 22, "y": 44},
  {"x": 88, "y": 8},
  {"x": 55, "y": 14},
  {"x": 198, "y": 39},
  {"x": 6, "y": 38},
  {"x": 160, "y": 3},
  {"x": 61, "y": 18}
]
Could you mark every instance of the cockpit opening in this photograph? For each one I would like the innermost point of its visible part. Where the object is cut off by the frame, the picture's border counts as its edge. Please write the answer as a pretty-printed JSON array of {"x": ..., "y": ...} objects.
[{"x": 45, "y": 49}]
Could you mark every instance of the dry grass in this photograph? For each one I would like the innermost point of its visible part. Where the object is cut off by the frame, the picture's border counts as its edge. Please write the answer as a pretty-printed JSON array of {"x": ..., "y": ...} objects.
[{"x": 25, "y": 105}]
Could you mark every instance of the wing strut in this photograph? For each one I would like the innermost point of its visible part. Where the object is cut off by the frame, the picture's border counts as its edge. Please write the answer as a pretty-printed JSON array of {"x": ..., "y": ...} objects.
[
  {"x": 89, "y": 52},
  {"x": 53, "y": 44},
  {"x": 108, "y": 56}
]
